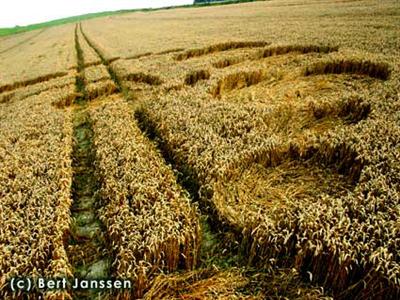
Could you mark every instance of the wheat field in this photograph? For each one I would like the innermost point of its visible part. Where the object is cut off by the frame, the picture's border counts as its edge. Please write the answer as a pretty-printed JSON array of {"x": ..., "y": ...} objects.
[{"x": 244, "y": 151}]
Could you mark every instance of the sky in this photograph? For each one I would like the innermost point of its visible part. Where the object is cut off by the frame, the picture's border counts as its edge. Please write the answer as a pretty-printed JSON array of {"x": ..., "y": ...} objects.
[{"x": 25, "y": 12}]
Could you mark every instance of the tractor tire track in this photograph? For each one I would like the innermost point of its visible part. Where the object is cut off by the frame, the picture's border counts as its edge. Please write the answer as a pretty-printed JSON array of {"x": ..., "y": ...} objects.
[
  {"x": 217, "y": 248},
  {"x": 87, "y": 248}
]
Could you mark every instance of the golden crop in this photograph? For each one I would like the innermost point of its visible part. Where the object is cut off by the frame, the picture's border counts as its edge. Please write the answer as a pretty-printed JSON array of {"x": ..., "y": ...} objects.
[
  {"x": 35, "y": 181},
  {"x": 281, "y": 117},
  {"x": 212, "y": 284},
  {"x": 51, "y": 52},
  {"x": 101, "y": 88},
  {"x": 279, "y": 159},
  {"x": 10, "y": 42},
  {"x": 148, "y": 217},
  {"x": 95, "y": 73}
]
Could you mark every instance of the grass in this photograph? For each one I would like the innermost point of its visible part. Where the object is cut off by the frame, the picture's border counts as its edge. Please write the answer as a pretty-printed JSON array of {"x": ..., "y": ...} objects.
[
  {"x": 76, "y": 19},
  {"x": 19, "y": 29}
]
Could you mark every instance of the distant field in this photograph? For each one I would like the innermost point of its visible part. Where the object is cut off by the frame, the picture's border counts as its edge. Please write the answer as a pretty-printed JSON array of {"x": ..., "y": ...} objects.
[
  {"x": 20, "y": 29},
  {"x": 246, "y": 151}
]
